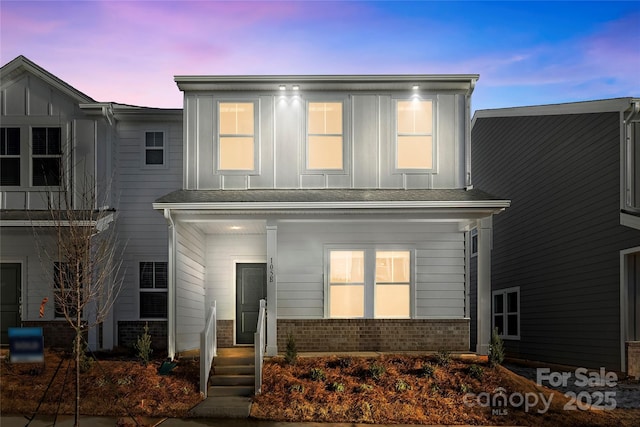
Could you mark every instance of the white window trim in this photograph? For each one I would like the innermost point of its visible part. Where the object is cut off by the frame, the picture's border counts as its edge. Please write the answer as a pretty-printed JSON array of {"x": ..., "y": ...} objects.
[
  {"x": 144, "y": 148},
  {"x": 256, "y": 138},
  {"x": 150, "y": 290},
  {"x": 434, "y": 137},
  {"x": 15, "y": 156},
  {"x": 504, "y": 292},
  {"x": 473, "y": 235},
  {"x": 369, "y": 278},
  {"x": 346, "y": 140},
  {"x": 64, "y": 137}
]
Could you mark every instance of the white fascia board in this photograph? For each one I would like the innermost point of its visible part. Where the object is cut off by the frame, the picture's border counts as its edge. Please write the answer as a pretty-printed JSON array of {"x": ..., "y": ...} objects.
[
  {"x": 484, "y": 204},
  {"x": 584, "y": 107}
]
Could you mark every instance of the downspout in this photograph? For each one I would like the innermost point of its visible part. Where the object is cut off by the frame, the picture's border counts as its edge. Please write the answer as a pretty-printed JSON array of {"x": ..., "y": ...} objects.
[
  {"x": 467, "y": 135},
  {"x": 171, "y": 291}
]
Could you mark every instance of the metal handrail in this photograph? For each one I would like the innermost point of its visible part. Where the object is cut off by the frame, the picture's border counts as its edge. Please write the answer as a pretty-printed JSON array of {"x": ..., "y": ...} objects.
[
  {"x": 260, "y": 345},
  {"x": 208, "y": 349}
]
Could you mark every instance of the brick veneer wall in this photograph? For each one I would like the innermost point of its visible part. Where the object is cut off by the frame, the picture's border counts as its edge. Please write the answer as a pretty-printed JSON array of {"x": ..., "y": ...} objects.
[
  {"x": 57, "y": 333},
  {"x": 633, "y": 358},
  {"x": 129, "y": 331},
  {"x": 375, "y": 334},
  {"x": 224, "y": 333}
]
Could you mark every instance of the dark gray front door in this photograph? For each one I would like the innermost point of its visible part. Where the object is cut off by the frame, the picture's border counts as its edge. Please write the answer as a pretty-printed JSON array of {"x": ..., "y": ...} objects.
[
  {"x": 9, "y": 299},
  {"x": 251, "y": 287},
  {"x": 634, "y": 297}
]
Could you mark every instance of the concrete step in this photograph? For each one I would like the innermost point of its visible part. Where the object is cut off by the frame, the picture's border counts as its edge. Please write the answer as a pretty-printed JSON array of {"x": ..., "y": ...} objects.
[
  {"x": 233, "y": 360},
  {"x": 230, "y": 390},
  {"x": 231, "y": 380},
  {"x": 222, "y": 407},
  {"x": 234, "y": 370}
]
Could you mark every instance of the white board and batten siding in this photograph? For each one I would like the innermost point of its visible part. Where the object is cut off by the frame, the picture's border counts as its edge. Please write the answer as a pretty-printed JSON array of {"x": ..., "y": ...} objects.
[
  {"x": 439, "y": 273},
  {"x": 281, "y": 134}
]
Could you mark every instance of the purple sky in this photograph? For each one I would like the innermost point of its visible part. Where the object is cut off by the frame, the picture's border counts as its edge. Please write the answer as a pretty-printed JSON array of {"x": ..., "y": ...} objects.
[{"x": 526, "y": 53}]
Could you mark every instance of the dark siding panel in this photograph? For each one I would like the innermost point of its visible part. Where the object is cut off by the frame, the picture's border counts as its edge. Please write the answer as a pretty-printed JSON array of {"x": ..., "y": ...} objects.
[
  {"x": 560, "y": 239},
  {"x": 473, "y": 303}
]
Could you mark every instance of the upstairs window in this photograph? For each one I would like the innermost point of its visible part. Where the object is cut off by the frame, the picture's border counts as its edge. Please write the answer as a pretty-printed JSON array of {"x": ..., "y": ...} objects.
[
  {"x": 154, "y": 148},
  {"x": 506, "y": 312},
  {"x": 236, "y": 136},
  {"x": 325, "y": 136},
  {"x": 153, "y": 290},
  {"x": 414, "y": 138},
  {"x": 46, "y": 156},
  {"x": 9, "y": 156}
]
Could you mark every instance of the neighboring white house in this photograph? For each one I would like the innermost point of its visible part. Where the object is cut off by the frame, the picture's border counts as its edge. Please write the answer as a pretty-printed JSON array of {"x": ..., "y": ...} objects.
[{"x": 345, "y": 201}]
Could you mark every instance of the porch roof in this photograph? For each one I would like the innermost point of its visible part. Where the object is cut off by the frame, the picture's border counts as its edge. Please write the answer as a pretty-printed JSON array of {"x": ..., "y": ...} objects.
[{"x": 329, "y": 199}]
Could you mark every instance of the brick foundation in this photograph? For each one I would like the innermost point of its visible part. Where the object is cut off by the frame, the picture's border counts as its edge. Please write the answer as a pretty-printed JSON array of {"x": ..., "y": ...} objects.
[
  {"x": 633, "y": 359},
  {"x": 129, "y": 331},
  {"x": 375, "y": 334},
  {"x": 57, "y": 333},
  {"x": 224, "y": 333}
]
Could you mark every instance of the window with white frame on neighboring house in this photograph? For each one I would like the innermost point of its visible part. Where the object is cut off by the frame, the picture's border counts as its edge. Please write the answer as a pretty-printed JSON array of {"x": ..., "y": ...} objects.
[
  {"x": 154, "y": 149},
  {"x": 10, "y": 156},
  {"x": 369, "y": 283},
  {"x": 474, "y": 242},
  {"x": 46, "y": 156},
  {"x": 506, "y": 312},
  {"x": 236, "y": 136},
  {"x": 325, "y": 141},
  {"x": 414, "y": 135},
  {"x": 67, "y": 282},
  {"x": 153, "y": 290}
]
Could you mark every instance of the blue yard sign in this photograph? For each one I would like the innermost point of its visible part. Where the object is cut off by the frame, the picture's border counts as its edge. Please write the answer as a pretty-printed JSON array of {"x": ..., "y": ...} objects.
[{"x": 26, "y": 345}]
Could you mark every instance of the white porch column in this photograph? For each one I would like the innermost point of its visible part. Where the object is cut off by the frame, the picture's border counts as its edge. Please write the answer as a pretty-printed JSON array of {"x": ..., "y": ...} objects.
[
  {"x": 485, "y": 227},
  {"x": 272, "y": 289},
  {"x": 171, "y": 287}
]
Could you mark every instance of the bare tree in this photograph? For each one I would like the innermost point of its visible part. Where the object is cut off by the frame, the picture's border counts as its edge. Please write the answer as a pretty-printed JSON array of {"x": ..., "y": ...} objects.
[{"x": 84, "y": 252}]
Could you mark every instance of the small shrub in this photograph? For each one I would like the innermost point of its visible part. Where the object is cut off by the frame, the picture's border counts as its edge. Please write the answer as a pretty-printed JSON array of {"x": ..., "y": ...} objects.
[
  {"x": 496, "y": 349},
  {"x": 143, "y": 346},
  {"x": 337, "y": 387},
  {"x": 318, "y": 374},
  {"x": 427, "y": 370},
  {"x": 402, "y": 385},
  {"x": 443, "y": 358},
  {"x": 345, "y": 362},
  {"x": 291, "y": 354},
  {"x": 377, "y": 371},
  {"x": 463, "y": 388},
  {"x": 363, "y": 388},
  {"x": 125, "y": 381},
  {"x": 476, "y": 372},
  {"x": 296, "y": 388},
  {"x": 435, "y": 388}
]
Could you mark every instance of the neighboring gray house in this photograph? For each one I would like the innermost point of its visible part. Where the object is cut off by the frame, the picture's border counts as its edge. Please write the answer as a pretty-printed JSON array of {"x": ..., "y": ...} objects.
[
  {"x": 345, "y": 201},
  {"x": 566, "y": 254},
  {"x": 52, "y": 132}
]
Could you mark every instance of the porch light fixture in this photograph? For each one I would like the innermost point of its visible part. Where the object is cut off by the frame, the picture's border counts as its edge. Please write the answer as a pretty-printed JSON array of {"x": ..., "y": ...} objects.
[
  {"x": 415, "y": 87},
  {"x": 296, "y": 87},
  {"x": 283, "y": 87},
  {"x": 235, "y": 227}
]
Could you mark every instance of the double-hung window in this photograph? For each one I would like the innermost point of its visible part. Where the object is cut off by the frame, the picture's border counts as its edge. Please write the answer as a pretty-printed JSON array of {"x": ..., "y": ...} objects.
[
  {"x": 154, "y": 150},
  {"x": 414, "y": 135},
  {"x": 153, "y": 290},
  {"x": 9, "y": 156},
  {"x": 46, "y": 156},
  {"x": 325, "y": 142},
  {"x": 506, "y": 312},
  {"x": 369, "y": 283},
  {"x": 236, "y": 136}
]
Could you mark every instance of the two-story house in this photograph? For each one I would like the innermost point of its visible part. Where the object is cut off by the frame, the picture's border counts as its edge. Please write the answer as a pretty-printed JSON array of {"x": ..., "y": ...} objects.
[
  {"x": 343, "y": 200},
  {"x": 566, "y": 257},
  {"x": 57, "y": 142}
]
